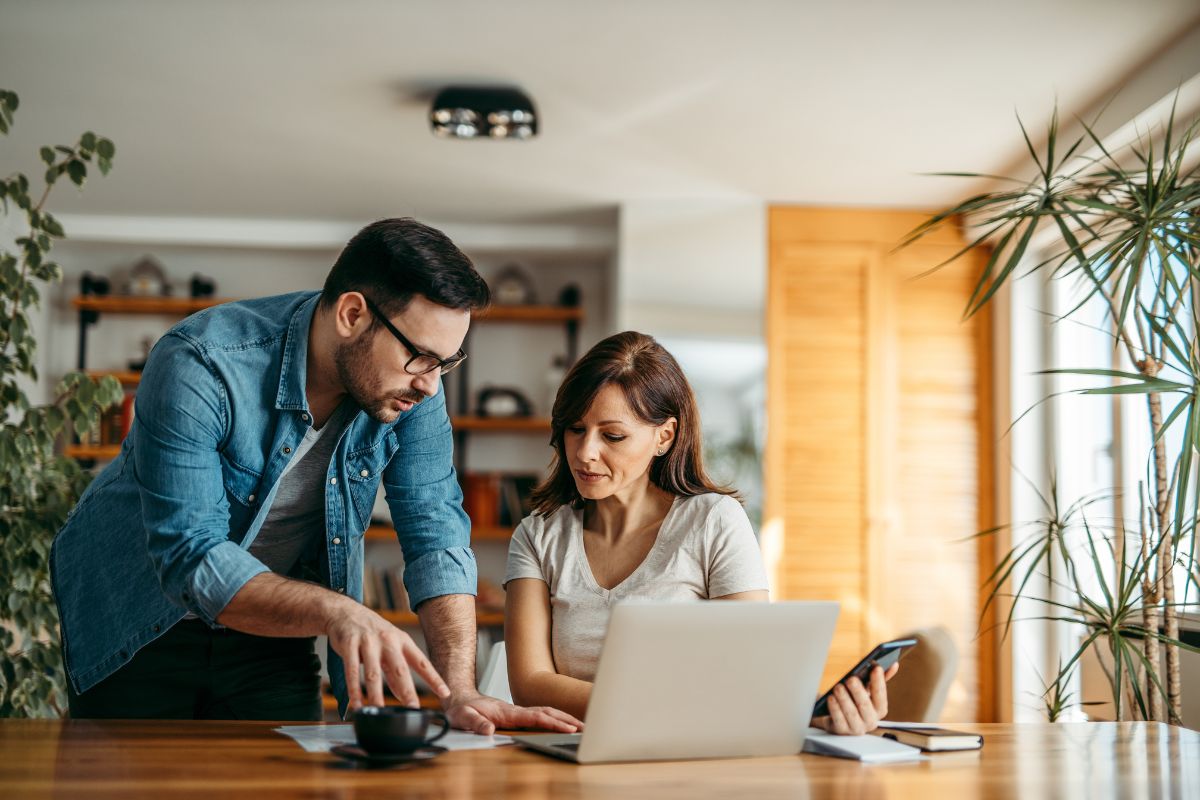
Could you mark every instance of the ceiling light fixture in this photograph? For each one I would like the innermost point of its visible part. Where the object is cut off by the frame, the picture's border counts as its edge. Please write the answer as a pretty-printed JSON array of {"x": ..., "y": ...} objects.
[{"x": 478, "y": 112}]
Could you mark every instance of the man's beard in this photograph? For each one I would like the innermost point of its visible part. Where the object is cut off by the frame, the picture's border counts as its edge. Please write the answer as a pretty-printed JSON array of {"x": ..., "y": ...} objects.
[{"x": 363, "y": 384}]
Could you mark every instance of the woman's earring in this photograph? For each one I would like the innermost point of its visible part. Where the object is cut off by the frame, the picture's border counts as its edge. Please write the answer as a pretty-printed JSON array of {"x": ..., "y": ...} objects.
[{"x": 660, "y": 452}]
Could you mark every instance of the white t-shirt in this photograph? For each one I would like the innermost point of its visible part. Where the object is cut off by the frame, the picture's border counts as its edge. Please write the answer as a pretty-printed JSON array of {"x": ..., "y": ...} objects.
[{"x": 705, "y": 548}]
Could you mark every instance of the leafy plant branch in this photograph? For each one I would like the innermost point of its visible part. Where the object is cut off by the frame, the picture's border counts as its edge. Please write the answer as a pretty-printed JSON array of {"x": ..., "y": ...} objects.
[{"x": 38, "y": 486}]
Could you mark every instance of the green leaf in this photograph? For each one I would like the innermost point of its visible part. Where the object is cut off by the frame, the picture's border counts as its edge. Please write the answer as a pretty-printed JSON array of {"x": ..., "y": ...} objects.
[
  {"x": 88, "y": 141},
  {"x": 77, "y": 171},
  {"x": 52, "y": 226},
  {"x": 48, "y": 155},
  {"x": 106, "y": 149}
]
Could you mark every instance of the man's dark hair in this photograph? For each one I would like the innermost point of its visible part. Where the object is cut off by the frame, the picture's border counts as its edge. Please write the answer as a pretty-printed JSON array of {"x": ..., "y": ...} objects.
[{"x": 393, "y": 260}]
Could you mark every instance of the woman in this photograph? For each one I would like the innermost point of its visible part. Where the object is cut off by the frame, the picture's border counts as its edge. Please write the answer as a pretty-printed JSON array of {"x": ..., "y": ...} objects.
[{"x": 628, "y": 512}]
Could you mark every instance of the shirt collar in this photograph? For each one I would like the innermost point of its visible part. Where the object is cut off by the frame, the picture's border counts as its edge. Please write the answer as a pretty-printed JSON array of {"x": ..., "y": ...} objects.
[{"x": 293, "y": 373}]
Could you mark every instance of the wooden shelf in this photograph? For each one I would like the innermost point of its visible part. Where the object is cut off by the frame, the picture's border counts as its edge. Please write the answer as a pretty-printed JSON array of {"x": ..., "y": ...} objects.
[
  {"x": 548, "y": 314},
  {"x": 484, "y": 619},
  {"x": 93, "y": 452},
  {"x": 491, "y": 533},
  {"x": 116, "y": 304},
  {"x": 499, "y": 424},
  {"x": 126, "y": 377}
]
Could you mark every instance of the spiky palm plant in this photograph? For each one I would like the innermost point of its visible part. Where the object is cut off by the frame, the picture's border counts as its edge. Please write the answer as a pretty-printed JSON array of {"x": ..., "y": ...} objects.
[{"x": 1128, "y": 225}]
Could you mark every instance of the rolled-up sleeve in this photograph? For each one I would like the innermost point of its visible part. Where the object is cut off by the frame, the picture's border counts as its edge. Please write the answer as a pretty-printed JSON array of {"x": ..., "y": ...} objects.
[
  {"x": 425, "y": 500},
  {"x": 182, "y": 414}
]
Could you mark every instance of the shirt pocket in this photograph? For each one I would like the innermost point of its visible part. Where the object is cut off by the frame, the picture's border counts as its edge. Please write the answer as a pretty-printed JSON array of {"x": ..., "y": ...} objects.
[
  {"x": 243, "y": 490},
  {"x": 364, "y": 470}
]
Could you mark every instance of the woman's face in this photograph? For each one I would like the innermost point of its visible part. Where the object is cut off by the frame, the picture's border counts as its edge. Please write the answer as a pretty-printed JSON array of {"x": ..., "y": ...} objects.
[{"x": 610, "y": 449}]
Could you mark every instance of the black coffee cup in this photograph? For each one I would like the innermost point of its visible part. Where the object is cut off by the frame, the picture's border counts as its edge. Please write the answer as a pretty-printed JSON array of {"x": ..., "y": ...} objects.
[{"x": 394, "y": 730}]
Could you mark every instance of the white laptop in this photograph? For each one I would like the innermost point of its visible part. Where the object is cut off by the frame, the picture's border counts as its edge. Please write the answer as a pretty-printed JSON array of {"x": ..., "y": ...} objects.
[{"x": 717, "y": 679}]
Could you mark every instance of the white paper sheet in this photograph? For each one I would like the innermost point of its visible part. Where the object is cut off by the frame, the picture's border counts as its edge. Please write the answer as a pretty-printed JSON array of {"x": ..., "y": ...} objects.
[{"x": 323, "y": 738}]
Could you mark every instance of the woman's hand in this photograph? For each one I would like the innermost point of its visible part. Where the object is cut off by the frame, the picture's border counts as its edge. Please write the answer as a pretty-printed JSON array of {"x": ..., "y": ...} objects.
[{"x": 855, "y": 710}]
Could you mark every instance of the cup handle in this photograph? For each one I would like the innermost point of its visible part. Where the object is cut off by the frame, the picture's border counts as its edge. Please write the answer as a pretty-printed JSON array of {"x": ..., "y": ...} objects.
[{"x": 445, "y": 728}]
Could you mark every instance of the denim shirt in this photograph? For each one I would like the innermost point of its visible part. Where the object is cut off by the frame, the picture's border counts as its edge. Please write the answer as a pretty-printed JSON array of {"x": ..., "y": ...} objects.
[{"x": 166, "y": 527}]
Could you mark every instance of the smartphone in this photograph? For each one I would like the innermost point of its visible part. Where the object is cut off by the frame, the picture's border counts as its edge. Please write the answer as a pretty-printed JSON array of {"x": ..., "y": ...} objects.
[{"x": 884, "y": 655}]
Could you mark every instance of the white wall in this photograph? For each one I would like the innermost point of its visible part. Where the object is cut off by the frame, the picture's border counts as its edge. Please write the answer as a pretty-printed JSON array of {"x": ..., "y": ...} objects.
[
  {"x": 692, "y": 273},
  {"x": 12, "y": 226},
  {"x": 692, "y": 268}
]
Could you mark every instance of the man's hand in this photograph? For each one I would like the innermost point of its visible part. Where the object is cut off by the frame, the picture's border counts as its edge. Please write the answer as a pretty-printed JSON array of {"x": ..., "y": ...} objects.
[
  {"x": 483, "y": 714},
  {"x": 374, "y": 651},
  {"x": 853, "y": 710}
]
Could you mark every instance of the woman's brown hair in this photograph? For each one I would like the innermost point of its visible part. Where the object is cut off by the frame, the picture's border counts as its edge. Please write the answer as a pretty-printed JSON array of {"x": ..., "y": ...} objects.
[{"x": 656, "y": 389}]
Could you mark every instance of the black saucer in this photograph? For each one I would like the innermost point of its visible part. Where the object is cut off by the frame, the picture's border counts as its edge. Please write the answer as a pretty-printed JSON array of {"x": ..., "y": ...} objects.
[{"x": 356, "y": 754}]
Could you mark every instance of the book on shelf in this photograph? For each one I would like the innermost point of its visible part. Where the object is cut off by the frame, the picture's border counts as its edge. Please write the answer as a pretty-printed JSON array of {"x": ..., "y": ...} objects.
[
  {"x": 397, "y": 596},
  {"x": 929, "y": 737},
  {"x": 514, "y": 498},
  {"x": 383, "y": 589},
  {"x": 498, "y": 499}
]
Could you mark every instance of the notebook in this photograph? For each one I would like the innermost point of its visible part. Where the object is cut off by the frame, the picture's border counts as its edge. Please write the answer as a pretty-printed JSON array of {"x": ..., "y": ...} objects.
[
  {"x": 867, "y": 749},
  {"x": 928, "y": 737}
]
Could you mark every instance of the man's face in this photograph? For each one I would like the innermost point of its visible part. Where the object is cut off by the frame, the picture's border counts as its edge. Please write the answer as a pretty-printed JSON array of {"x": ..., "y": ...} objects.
[{"x": 370, "y": 365}]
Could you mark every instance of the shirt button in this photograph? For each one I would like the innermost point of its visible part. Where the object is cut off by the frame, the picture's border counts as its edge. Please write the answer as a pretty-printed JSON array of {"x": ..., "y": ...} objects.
[
  {"x": 337, "y": 540},
  {"x": 287, "y": 450},
  {"x": 304, "y": 417},
  {"x": 342, "y": 590},
  {"x": 365, "y": 473},
  {"x": 333, "y": 481},
  {"x": 250, "y": 498}
]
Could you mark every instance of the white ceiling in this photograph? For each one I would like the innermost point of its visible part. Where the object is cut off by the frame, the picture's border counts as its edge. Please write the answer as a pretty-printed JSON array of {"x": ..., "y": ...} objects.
[{"x": 316, "y": 110}]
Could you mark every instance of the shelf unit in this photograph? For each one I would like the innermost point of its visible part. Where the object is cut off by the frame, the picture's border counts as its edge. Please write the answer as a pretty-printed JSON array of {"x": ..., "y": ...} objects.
[
  {"x": 464, "y": 422},
  {"x": 90, "y": 307}
]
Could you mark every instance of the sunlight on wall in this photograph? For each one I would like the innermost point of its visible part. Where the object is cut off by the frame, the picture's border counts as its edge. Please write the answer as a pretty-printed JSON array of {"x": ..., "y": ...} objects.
[{"x": 771, "y": 542}]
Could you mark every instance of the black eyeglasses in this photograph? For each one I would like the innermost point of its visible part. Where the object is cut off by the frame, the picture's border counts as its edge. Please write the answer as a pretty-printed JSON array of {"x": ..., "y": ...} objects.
[{"x": 420, "y": 363}]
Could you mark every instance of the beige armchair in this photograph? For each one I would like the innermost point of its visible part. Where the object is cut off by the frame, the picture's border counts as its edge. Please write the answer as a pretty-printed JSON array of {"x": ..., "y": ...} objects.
[{"x": 918, "y": 692}]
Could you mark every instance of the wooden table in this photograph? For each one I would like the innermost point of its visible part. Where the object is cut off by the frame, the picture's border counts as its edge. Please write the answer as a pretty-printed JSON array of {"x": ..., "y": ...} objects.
[{"x": 83, "y": 758}]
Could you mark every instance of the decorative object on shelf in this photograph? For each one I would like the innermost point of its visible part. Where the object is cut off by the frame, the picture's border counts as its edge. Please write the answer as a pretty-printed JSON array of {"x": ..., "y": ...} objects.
[
  {"x": 139, "y": 364},
  {"x": 503, "y": 401},
  {"x": 147, "y": 279},
  {"x": 493, "y": 499},
  {"x": 513, "y": 286},
  {"x": 94, "y": 285},
  {"x": 202, "y": 286},
  {"x": 570, "y": 296},
  {"x": 481, "y": 497},
  {"x": 38, "y": 484},
  {"x": 481, "y": 112},
  {"x": 554, "y": 378}
]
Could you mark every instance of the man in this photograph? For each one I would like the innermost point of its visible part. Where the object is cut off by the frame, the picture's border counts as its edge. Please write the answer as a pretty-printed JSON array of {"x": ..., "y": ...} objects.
[{"x": 198, "y": 567}]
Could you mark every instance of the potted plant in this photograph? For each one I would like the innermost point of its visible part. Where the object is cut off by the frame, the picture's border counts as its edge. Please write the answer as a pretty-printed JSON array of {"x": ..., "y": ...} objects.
[
  {"x": 38, "y": 486},
  {"x": 1128, "y": 229}
]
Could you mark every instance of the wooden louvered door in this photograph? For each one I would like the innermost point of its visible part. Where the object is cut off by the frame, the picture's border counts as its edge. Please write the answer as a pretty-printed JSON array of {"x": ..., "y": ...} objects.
[{"x": 878, "y": 444}]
